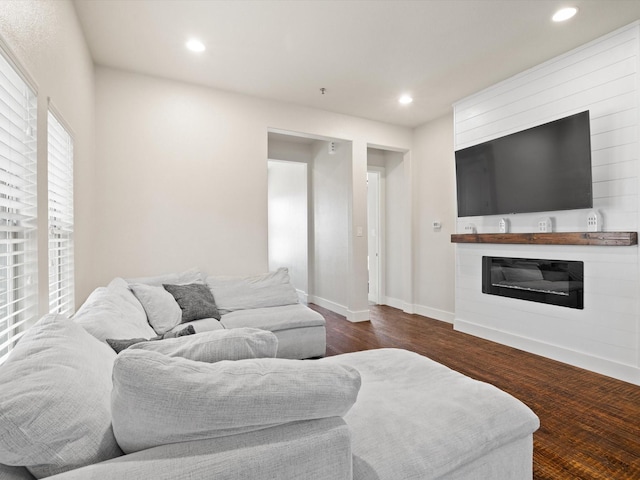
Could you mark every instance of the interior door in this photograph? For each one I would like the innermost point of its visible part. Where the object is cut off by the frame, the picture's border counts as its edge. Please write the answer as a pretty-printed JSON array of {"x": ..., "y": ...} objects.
[{"x": 373, "y": 235}]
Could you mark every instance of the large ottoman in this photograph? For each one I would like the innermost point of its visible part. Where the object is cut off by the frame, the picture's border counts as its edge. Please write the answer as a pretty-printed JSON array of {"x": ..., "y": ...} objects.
[{"x": 417, "y": 419}]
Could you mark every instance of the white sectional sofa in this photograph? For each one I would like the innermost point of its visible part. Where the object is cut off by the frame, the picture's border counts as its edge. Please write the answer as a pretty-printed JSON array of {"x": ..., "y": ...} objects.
[
  {"x": 139, "y": 308},
  {"x": 220, "y": 405}
]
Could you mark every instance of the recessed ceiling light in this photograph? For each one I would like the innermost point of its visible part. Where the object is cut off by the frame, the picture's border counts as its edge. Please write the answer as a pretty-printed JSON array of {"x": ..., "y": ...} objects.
[
  {"x": 564, "y": 14},
  {"x": 405, "y": 99},
  {"x": 195, "y": 45}
]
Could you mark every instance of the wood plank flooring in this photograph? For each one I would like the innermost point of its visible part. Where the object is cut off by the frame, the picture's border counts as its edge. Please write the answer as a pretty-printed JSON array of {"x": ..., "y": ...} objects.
[{"x": 590, "y": 423}]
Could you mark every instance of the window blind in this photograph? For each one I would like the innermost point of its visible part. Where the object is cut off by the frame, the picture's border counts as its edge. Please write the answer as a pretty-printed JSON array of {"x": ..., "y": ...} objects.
[
  {"x": 61, "y": 270},
  {"x": 18, "y": 163}
]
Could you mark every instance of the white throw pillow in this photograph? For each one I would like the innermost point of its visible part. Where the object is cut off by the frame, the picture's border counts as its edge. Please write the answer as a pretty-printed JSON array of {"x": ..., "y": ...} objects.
[
  {"x": 158, "y": 399},
  {"x": 55, "y": 413},
  {"x": 163, "y": 312},
  {"x": 106, "y": 314},
  {"x": 257, "y": 291},
  {"x": 193, "y": 275},
  {"x": 235, "y": 344}
]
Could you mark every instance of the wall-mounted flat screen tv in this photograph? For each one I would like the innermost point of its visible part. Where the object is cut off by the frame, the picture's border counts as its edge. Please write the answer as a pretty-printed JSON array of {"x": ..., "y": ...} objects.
[{"x": 541, "y": 169}]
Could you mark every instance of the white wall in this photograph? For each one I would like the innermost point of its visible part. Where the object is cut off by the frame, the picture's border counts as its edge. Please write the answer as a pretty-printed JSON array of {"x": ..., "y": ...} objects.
[
  {"x": 434, "y": 200},
  {"x": 602, "y": 77},
  {"x": 331, "y": 190},
  {"x": 289, "y": 151},
  {"x": 47, "y": 42},
  {"x": 183, "y": 179}
]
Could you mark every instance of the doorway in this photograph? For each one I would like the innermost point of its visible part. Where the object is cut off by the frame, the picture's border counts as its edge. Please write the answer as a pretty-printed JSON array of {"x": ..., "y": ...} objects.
[
  {"x": 375, "y": 233},
  {"x": 288, "y": 221}
]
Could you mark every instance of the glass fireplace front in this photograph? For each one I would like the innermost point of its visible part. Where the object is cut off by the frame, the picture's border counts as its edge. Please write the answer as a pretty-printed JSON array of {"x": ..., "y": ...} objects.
[{"x": 557, "y": 282}]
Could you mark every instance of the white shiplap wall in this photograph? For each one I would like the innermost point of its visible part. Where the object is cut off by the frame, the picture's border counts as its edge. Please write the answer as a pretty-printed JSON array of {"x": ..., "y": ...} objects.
[{"x": 602, "y": 77}]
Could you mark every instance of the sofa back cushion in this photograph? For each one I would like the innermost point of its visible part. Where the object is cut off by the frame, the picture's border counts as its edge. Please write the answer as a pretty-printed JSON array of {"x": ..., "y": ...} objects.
[
  {"x": 241, "y": 293},
  {"x": 158, "y": 399},
  {"x": 55, "y": 413},
  {"x": 114, "y": 312},
  {"x": 216, "y": 346}
]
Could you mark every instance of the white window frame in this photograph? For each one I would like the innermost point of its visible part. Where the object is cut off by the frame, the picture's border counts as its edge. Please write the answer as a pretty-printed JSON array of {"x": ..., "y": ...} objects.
[
  {"x": 18, "y": 204},
  {"x": 61, "y": 218}
]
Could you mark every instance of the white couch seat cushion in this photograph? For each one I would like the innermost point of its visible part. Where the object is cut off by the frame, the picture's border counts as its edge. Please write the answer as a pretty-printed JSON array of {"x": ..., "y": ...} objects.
[
  {"x": 55, "y": 413},
  {"x": 201, "y": 325},
  {"x": 273, "y": 318},
  {"x": 216, "y": 346},
  {"x": 430, "y": 419},
  {"x": 158, "y": 399}
]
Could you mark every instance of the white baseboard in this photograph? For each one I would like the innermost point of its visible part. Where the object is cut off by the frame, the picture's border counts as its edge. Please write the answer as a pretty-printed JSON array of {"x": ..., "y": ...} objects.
[
  {"x": 358, "y": 316},
  {"x": 351, "y": 315},
  {"x": 365, "y": 315},
  {"x": 420, "y": 309},
  {"x": 627, "y": 373},
  {"x": 434, "y": 313},
  {"x": 392, "y": 302},
  {"x": 328, "y": 304},
  {"x": 397, "y": 303}
]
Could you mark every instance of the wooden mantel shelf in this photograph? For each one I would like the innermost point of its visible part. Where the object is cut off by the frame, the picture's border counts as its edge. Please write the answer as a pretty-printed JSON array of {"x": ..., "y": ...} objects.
[{"x": 621, "y": 239}]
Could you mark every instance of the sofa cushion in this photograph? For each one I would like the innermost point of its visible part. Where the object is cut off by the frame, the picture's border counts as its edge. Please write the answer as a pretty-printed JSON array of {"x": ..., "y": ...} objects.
[
  {"x": 108, "y": 314},
  {"x": 119, "y": 344},
  {"x": 274, "y": 318},
  {"x": 193, "y": 275},
  {"x": 55, "y": 413},
  {"x": 202, "y": 325},
  {"x": 14, "y": 473},
  {"x": 120, "y": 288},
  {"x": 236, "y": 344},
  {"x": 158, "y": 399},
  {"x": 162, "y": 310},
  {"x": 195, "y": 300},
  {"x": 257, "y": 291}
]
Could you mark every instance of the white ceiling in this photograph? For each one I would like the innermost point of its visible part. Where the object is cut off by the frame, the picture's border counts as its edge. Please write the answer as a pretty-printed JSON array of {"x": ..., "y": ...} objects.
[{"x": 365, "y": 53}]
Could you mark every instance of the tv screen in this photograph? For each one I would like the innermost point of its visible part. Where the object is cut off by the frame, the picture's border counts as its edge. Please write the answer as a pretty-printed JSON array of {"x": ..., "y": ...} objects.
[{"x": 541, "y": 169}]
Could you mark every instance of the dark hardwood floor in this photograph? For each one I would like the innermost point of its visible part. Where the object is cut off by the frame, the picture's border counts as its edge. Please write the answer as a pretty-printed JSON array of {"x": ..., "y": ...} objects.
[{"x": 590, "y": 423}]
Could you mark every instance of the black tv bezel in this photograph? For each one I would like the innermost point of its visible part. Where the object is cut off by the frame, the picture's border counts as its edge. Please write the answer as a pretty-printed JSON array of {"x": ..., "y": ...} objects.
[{"x": 589, "y": 191}]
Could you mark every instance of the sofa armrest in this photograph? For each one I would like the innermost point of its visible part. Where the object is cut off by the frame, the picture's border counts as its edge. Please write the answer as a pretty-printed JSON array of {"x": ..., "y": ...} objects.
[{"x": 313, "y": 450}]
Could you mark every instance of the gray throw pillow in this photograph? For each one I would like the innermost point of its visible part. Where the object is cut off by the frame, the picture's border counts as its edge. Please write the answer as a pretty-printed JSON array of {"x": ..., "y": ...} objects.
[{"x": 196, "y": 301}]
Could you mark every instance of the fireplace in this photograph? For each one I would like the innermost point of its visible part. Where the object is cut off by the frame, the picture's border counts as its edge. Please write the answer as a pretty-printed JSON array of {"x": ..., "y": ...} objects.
[{"x": 557, "y": 282}]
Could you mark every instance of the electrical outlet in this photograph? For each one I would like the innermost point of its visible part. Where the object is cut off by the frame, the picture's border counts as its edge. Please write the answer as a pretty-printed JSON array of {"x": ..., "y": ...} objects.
[
  {"x": 594, "y": 222},
  {"x": 545, "y": 225}
]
